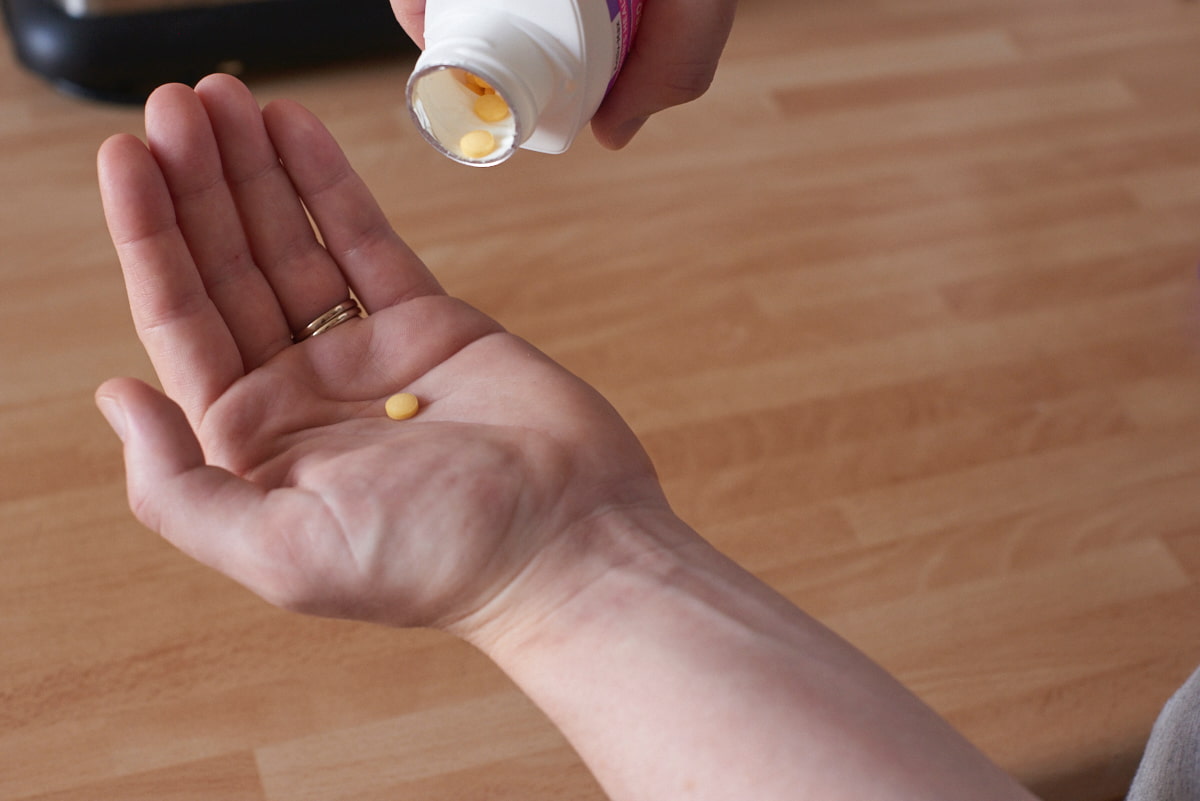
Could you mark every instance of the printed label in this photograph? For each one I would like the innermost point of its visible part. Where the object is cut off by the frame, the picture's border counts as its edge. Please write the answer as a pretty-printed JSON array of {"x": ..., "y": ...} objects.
[{"x": 625, "y": 15}]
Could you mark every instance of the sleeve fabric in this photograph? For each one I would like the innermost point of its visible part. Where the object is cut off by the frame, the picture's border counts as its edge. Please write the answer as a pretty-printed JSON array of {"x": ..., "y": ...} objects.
[{"x": 1170, "y": 767}]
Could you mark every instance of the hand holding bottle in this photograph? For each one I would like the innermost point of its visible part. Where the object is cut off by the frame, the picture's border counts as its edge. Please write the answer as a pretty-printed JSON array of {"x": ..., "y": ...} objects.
[{"x": 673, "y": 60}]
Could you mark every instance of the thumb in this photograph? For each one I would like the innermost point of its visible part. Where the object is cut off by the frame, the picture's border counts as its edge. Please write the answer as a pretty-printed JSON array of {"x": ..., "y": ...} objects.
[
  {"x": 204, "y": 511},
  {"x": 159, "y": 441}
]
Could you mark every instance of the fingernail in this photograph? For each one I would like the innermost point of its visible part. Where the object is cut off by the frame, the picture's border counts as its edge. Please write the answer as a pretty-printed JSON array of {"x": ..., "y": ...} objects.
[{"x": 113, "y": 413}]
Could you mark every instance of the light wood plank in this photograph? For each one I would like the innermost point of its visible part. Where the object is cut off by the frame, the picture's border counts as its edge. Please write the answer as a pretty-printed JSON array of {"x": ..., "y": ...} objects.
[{"x": 904, "y": 310}]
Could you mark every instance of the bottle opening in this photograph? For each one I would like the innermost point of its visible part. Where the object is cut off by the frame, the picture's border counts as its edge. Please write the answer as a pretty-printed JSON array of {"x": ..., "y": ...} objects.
[{"x": 463, "y": 115}]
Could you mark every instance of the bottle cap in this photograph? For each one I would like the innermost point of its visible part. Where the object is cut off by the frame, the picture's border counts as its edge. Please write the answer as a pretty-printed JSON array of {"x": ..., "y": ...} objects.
[{"x": 483, "y": 53}]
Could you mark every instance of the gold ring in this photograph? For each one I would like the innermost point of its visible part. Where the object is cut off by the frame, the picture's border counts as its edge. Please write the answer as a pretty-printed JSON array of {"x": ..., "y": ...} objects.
[{"x": 346, "y": 310}]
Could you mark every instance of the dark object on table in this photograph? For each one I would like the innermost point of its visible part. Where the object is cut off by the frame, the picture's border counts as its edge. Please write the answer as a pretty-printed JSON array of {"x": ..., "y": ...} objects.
[{"x": 119, "y": 50}]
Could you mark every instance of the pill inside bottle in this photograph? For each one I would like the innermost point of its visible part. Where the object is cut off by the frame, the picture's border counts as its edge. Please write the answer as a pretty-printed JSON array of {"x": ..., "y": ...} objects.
[
  {"x": 477, "y": 145},
  {"x": 463, "y": 115}
]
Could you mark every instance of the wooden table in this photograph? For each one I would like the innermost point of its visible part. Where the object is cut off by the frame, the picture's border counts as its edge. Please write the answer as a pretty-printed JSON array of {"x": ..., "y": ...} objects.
[{"x": 905, "y": 310}]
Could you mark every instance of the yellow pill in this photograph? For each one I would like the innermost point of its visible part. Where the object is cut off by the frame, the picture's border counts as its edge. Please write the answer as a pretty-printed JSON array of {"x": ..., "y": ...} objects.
[
  {"x": 402, "y": 406},
  {"x": 491, "y": 108},
  {"x": 478, "y": 85},
  {"x": 477, "y": 144}
]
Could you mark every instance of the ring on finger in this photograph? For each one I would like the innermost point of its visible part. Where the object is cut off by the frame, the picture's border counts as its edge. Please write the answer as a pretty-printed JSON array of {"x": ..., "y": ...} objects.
[{"x": 346, "y": 310}]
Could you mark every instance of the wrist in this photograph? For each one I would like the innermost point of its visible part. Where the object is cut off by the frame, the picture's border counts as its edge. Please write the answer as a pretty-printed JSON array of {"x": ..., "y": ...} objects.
[{"x": 612, "y": 559}]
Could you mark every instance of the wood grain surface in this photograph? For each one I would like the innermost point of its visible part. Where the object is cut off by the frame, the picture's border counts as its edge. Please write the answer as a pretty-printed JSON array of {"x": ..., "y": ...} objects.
[{"x": 905, "y": 310}]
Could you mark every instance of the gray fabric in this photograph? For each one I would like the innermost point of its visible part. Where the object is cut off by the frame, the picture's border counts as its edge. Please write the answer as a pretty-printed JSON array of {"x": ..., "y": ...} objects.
[{"x": 1170, "y": 768}]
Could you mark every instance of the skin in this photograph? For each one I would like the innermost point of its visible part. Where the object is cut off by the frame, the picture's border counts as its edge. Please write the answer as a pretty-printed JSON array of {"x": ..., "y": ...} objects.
[
  {"x": 221, "y": 265},
  {"x": 516, "y": 510},
  {"x": 672, "y": 61}
]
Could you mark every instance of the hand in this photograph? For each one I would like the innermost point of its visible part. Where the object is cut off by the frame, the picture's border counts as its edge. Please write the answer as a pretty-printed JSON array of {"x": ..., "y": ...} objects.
[
  {"x": 516, "y": 510},
  {"x": 278, "y": 466},
  {"x": 673, "y": 60}
]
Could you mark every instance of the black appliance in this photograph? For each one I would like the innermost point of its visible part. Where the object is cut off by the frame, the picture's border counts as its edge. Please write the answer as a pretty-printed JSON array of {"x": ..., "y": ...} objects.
[{"x": 119, "y": 50}]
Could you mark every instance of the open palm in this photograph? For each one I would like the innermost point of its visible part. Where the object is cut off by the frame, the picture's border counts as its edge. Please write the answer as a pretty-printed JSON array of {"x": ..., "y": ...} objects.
[{"x": 276, "y": 463}]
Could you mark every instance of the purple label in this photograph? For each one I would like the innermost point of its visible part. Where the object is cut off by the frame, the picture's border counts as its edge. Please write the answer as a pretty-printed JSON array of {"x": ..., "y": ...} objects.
[{"x": 625, "y": 15}]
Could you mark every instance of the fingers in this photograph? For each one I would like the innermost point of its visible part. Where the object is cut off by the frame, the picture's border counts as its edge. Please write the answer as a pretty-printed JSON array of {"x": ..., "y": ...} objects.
[
  {"x": 673, "y": 60},
  {"x": 192, "y": 350},
  {"x": 220, "y": 258},
  {"x": 379, "y": 266},
  {"x": 305, "y": 280},
  {"x": 182, "y": 140}
]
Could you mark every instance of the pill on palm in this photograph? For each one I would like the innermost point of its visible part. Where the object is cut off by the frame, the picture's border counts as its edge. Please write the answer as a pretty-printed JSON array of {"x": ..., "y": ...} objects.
[
  {"x": 491, "y": 108},
  {"x": 402, "y": 406},
  {"x": 477, "y": 144}
]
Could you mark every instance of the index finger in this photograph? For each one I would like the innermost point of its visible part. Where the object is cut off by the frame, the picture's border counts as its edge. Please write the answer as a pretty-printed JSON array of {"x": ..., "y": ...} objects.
[{"x": 192, "y": 350}]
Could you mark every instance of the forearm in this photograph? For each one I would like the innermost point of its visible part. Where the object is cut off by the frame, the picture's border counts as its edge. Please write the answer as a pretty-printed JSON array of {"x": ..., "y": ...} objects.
[{"x": 676, "y": 674}]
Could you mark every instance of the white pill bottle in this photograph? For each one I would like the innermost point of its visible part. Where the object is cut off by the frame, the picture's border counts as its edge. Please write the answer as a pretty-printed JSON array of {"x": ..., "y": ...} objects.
[{"x": 551, "y": 61}]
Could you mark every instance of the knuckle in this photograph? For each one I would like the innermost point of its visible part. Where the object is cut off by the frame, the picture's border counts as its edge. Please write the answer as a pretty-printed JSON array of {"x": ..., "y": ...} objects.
[{"x": 687, "y": 82}]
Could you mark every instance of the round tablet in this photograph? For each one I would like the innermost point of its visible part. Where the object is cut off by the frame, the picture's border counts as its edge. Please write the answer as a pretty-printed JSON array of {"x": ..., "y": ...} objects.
[
  {"x": 491, "y": 108},
  {"x": 401, "y": 406},
  {"x": 478, "y": 144},
  {"x": 477, "y": 84}
]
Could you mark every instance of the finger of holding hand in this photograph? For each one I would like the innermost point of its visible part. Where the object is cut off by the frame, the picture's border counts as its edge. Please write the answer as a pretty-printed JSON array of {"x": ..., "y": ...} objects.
[
  {"x": 673, "y": 60},
  {"x": 411, "y": 16}
]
